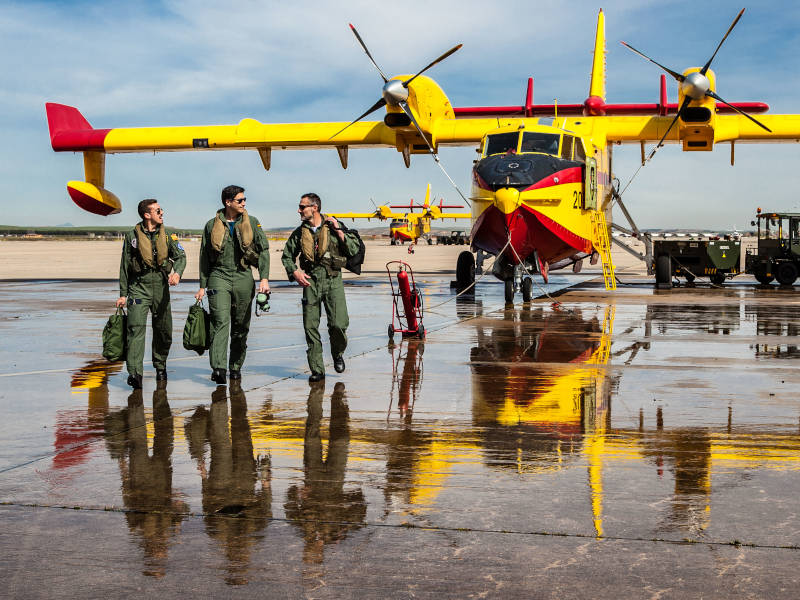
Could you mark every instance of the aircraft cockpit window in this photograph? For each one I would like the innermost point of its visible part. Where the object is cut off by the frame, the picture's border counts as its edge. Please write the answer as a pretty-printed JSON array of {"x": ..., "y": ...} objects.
[
  {"x": 580, "y": 154},
  {"x": 566, "y": 147},
  {"x": 533, "y": 141},
  {"x": 500, "y": 143}
]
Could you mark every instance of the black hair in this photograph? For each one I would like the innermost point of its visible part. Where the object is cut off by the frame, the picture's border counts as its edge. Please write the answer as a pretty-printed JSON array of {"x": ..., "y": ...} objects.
[
  {"x": 144, "y": 205},
  {"x": 314, "y": 199},
  {"x": 230, "y": 192}
]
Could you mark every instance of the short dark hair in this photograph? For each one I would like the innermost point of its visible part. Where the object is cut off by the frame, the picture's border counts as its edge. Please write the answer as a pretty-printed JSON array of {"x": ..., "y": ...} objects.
[
  {"x": 144, "y": 206},
  {"x": 314, "y": 199},
  {"x": 230, "y": 192}
]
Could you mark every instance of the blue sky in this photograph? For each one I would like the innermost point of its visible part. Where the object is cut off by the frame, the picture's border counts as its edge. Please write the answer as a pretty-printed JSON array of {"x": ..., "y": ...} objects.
[{"x": 188, "y": 62}]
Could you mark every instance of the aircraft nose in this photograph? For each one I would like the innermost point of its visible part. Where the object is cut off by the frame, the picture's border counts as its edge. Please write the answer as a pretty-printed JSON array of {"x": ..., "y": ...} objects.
[{"x": 507, "y": 201}]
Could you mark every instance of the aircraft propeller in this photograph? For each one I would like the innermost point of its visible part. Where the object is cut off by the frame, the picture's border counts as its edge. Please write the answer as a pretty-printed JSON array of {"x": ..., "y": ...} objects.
[
  {"x": 695, "y": 86},
  {"x": 394, "y": 92}
]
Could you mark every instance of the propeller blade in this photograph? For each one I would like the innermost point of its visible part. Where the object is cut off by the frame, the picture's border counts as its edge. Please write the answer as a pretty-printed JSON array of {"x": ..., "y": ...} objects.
[
  {"x": 724, "y": 37},
  {"x": 438, "y": 60},
  {"x": 717, "y": 97},
  {"x": 370, "y": 110},
  {"x": 364, "y": 46},
  {"x": 671, "y": 125},
  {"x": 676, "y": 75}
]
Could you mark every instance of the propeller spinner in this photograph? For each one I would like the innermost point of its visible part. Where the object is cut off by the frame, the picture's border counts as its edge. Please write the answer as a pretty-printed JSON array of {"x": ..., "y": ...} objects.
[{"x": 695, "y": 86}]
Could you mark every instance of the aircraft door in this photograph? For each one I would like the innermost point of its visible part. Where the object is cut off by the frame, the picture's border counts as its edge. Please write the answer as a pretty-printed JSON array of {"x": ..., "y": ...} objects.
[{"x": 590, "y": 184}]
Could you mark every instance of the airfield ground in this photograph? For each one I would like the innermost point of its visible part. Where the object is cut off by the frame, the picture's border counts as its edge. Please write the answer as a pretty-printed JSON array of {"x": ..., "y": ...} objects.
[{"x": 641, "y": 443}]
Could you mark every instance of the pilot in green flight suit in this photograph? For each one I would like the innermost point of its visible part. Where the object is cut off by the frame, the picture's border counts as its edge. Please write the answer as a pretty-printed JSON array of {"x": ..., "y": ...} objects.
[
  {"x": 148, "y": 256},
  {"x": 233, "y": 242},
  {"x": 322, "y": 247}
]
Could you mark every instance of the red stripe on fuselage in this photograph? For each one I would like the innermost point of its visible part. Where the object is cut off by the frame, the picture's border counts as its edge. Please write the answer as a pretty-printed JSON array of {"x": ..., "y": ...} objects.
[{"x": 571, "y": 175}]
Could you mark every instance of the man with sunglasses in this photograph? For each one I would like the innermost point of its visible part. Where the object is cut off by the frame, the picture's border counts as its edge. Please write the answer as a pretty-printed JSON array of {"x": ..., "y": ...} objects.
[
  {"x": 151, "y": 262},
  {"x": 233, "y": 243},
  {"x": 323, "y": 247}
]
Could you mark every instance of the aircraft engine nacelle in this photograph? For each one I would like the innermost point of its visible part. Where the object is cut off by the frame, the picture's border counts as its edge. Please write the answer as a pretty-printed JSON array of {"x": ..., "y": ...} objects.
[
  {"x": 697, "y": 121},
  {"x": 93, "y": 198},
  {"x": 429, "y": 104}
]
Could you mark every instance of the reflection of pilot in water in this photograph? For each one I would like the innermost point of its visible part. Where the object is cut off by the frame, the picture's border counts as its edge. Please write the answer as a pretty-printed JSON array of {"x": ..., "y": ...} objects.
[
  {"x": 237, "y": 498},
  {"x": 321, "y": 508},
  {"x": 147, "y": 480}
]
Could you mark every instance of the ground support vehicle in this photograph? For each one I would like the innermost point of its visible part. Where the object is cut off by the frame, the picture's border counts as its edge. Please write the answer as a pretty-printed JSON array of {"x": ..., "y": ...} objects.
[
  {"x": 777, "y": 255},
  {"x": 454, "y": 238},
  {"x": 715, "y": 259}
]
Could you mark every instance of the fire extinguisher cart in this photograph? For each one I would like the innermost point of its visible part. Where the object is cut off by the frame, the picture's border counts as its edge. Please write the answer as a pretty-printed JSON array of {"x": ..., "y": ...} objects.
[{"x": 406, "y": 300}]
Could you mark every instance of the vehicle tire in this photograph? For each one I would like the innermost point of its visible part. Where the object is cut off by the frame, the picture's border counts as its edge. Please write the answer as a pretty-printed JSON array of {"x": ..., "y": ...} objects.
[
  {"x": 509, "y": 291},
  {"x": 664, "y": 270},
  {"x": 465, "y": 269},
  {"x": 527, "y": 289},
  {"x": 786, "y": 273},
  {"x": 718, "y": 278},
  {"x": 430, "y": 241},
  {"x": 760, "y": 273},
  {"x": 391, "y": 333},
  {"x": 393, "y": 241},
  {"x": 421, "y": 332}
]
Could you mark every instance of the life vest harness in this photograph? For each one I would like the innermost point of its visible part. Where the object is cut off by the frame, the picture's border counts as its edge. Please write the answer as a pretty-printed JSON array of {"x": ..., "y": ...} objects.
[
  {"x": 244, "y": 236},
  {"x": 148, "y": 258},
  {"x": 320, "y": 251}
]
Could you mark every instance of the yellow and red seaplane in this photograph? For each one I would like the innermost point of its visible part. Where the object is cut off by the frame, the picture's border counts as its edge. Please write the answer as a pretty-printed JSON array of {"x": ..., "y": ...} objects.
[
  {"x": 542, "y": 188},
  {"x": 410, "y": 226}
]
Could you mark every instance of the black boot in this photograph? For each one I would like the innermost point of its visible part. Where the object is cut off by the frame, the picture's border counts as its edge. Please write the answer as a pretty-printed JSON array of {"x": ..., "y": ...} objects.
[
  {"x": 235, "y": 375},
  {"x": 161, "y": 374},
  {"x": 316, "y": 377},
  {"x": 135, "y": 381},
  {"x": 338, "y": 364},
  {"x": 218, "y": 376}
]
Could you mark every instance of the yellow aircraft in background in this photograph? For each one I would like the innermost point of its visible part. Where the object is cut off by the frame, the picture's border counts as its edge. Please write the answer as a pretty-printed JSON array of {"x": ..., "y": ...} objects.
[
  {"x": 410, "y": 226},
  {"x": 542, "y": 187}
]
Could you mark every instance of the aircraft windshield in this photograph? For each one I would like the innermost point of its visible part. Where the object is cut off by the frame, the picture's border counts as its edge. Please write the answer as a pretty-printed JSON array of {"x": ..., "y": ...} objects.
[
  {"x": 500, "y": 143},
  {"x": 399, "y": 223},
  {"x": 533, "y": 141}
]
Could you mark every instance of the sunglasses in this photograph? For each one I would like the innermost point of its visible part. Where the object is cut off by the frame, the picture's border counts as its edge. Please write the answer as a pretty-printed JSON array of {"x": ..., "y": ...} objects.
[
  {"x": 239, "y": 200},
  {"x": 304, "y": 206},
  {"x": 158, "y": 211}
]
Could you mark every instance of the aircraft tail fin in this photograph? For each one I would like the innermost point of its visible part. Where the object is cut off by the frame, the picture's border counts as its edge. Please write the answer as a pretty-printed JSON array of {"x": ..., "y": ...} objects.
[
  {"x": 427, "y": 202},
  {"x": 597, "y": 83},
  {"x": 70, "y": 131}
]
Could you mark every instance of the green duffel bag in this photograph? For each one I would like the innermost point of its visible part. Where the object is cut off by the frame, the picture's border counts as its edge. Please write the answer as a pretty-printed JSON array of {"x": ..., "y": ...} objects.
[
  {"x": 115, "y": 336},
  {"x": 196, "y": 334}
]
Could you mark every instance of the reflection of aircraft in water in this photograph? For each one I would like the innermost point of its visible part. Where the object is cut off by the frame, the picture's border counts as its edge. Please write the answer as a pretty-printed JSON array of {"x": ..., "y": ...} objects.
[
  {"x": 76, "y": 428},
  {"x": 237, "y": 496},
  {"x": 154, "y": 512},
  {"x": 321, "y": 508},
  {"x": 707, "y": 318}
]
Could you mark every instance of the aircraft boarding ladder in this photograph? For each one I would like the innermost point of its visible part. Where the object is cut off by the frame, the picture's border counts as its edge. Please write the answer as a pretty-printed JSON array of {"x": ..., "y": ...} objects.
[{"x": 603, "y": 248}]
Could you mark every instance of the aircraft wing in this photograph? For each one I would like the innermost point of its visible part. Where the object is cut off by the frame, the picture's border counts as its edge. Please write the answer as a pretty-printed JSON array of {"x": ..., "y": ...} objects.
[{"x": 727, "y": 128}]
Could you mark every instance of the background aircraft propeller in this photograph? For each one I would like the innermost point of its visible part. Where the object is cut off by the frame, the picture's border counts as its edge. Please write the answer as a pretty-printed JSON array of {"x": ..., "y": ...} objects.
[{"x": 695, "y": 86}]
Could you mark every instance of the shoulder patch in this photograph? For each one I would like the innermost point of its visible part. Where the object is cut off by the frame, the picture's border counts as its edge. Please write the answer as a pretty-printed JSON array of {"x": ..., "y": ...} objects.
[
  {"x": 258, "y": 225},
  {"x": 178, "y": 245},
  {"x": 133, "y": 242},
  {"x": 174, "y": 237}
]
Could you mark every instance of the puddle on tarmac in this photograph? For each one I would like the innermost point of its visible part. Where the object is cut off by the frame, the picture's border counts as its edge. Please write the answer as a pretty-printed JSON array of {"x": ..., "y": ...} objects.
[{"x": 647, "y": 418}]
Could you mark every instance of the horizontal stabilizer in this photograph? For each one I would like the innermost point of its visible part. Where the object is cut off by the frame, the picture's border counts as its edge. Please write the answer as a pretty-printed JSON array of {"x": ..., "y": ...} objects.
[{"x": 70, "y": 131}]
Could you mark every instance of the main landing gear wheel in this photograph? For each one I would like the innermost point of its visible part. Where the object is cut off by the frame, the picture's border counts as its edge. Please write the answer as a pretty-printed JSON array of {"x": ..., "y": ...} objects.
[
  {"x": 527, "y": 289},
  {"x": 786, "y": 273},
  {"x": 718, "y": 278},
  {"x": 465, "y": 269},
  {"x": 664, "y": 271},
  {"x": 509, "y": 291}
]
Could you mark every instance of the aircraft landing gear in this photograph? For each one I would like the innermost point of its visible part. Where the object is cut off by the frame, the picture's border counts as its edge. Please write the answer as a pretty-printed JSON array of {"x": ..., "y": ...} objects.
[
  {"x": 465, "y": 270},
  {"x": 481, "y": 256},
  {"x": 509, "y": 291},
  {"x": 527, "y": 289}
]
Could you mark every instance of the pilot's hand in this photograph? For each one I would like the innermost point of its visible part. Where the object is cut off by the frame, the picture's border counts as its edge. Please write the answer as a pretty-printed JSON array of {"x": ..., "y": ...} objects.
[
  {"x": 301, "y": 278},
  {"x": 200, "y": 293},
  {"x": 121, "y": 301},
  {"x": 263, "y": 287},
  {"x": 174, "y": 278}
]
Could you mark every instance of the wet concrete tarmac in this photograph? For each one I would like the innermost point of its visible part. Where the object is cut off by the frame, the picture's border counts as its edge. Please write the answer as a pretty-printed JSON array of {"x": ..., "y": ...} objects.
[{"x": 640, "y": 444}]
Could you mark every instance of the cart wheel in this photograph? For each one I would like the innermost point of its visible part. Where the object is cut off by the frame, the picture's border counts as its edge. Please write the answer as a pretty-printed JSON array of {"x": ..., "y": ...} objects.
[
  {"x": 391, "y": 333},
  {"x": 527, "y": 289},
  {"x": 509, "y": 290},
  {"x": 786, "y": 273},
  {"x": 718, "y": 278},
  {"x": 664, "y": 270},
  {"x": 761, "y": 276},
  {"x": 421, "y": 332}
]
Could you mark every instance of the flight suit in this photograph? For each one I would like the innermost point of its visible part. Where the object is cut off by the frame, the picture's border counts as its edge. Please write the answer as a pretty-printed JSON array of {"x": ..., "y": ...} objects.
[
  {"x": 228, "y": 280},
  {"x": 325, "y": 272},
  {"x": 147, "y": 290}
]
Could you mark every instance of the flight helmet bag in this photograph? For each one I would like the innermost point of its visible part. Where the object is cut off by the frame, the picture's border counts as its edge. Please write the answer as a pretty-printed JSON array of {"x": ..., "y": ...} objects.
[
  {"x": 115, "y": 335},
  {"x": 196, "y": 334},
  {"x": 354, "y": 262}
]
